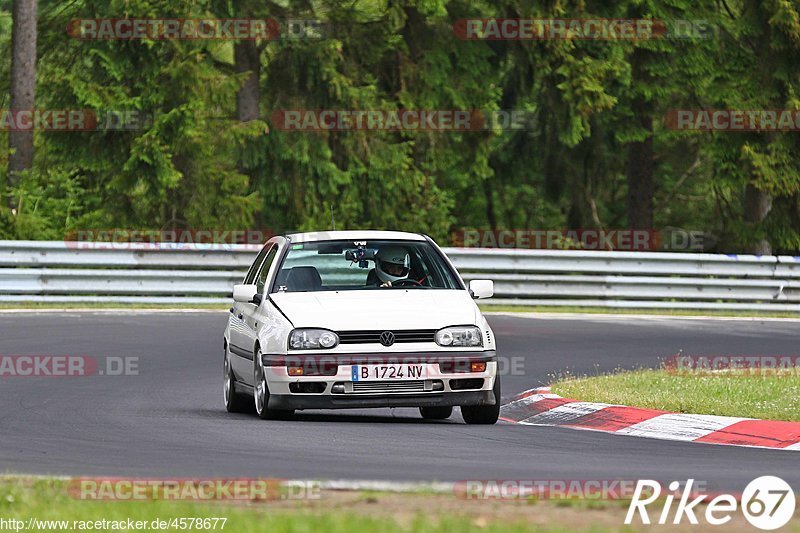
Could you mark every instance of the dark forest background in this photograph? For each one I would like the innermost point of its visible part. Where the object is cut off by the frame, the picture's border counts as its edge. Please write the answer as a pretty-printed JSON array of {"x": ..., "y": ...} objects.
[{"x": 598, "y": 154}]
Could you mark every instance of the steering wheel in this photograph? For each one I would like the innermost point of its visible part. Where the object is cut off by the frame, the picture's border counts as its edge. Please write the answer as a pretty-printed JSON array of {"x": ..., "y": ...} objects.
[{"x": 401, "y": 282}]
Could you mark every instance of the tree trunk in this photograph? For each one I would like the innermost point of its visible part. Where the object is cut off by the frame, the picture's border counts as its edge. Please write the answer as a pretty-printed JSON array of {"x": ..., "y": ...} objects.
[
  {"x": 641, "y": 156},
  {"x": 757, "y": 204},
  {"x": 488, "y": 191},
  {"x": 640, "y": 180},
  {"x": 246, "y": 58},
  {"x": 23, "y": 86}
]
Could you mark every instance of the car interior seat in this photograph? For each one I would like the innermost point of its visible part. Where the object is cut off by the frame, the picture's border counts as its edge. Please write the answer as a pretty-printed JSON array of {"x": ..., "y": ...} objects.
[{"x": 303, "y": 278}]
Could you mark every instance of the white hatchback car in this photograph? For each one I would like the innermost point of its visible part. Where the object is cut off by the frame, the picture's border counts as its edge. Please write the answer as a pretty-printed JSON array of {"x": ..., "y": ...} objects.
[{"x": 355, "y": 319}]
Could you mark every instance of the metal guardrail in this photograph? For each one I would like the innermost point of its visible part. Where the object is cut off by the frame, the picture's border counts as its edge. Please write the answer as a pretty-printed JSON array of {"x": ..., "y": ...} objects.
[{"x": 174, "y": 273}]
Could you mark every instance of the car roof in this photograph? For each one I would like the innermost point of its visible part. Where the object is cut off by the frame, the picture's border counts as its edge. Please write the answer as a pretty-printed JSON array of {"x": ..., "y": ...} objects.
[{"x": 354, "y": 235}]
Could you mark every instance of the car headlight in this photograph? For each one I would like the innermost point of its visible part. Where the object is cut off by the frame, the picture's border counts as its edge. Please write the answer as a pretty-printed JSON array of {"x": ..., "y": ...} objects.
[
  {"x": 459, "y": 336},
  {"x": 311, "y": 339}
]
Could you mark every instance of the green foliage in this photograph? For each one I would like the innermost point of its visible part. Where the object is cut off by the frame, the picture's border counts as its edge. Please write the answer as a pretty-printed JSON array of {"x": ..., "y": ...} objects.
[{"x": 195, "y": 165}]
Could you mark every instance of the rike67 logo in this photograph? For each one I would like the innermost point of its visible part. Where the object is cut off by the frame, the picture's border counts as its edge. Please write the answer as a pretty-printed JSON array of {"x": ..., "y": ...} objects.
[{"x": 767, "y": 502}]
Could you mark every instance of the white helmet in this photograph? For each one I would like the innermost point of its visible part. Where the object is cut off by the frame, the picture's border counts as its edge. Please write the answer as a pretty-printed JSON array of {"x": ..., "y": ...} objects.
[{"x": 392, "y": 255}]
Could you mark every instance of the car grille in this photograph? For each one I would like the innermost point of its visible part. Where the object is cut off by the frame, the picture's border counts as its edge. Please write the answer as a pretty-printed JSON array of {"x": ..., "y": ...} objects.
[
  {"x": 366, "y": 387},
  {"x": 374, "y": 337}
]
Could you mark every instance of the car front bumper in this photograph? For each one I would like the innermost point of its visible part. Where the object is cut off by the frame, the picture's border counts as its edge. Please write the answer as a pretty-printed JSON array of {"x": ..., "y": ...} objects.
[
  {"x": 337, "y": 390},
  {"x": 362, "y": 401}
]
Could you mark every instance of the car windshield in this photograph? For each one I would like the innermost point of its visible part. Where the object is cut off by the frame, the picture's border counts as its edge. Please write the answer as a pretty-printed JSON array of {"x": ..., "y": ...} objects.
[{"x": 349, "y": 265}]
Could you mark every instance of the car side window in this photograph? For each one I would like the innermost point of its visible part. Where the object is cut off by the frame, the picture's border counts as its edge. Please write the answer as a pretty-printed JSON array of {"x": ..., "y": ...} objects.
[
  {"x": 251, "y": 273},
  {"x": 264, "y": 272}
]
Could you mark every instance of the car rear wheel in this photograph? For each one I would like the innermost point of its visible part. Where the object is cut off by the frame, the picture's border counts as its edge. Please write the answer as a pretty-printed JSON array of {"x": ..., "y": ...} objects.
[
  {"x": 261, "y": 395},
  {"x": 234, "y": 402},
  {"x": 436, "y": 413},
  {"x": 483, "y": 414}
]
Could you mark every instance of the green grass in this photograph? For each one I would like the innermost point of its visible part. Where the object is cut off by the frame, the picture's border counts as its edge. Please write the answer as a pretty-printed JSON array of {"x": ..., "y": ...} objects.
[
  {"x": 48, "y": 499},
  {"x": 774, "y": 397}
]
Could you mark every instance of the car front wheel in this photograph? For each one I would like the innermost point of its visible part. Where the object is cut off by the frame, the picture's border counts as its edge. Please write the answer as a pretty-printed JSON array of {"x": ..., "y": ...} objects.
[
  {"x": 261, "y": 395},
  {"x": 483, "y": 414}
]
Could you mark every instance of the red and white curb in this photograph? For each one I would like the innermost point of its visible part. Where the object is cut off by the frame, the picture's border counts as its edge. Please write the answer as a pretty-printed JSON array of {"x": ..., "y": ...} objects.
[{"x": 539, "y": 407}]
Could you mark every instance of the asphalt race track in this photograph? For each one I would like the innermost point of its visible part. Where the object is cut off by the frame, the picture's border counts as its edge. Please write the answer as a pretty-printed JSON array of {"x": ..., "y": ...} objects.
[{"x": 169, "y": 420}]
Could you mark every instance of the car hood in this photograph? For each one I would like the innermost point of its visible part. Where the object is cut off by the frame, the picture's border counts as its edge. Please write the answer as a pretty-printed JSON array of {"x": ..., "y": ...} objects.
[{"x": 377, "y": 309}]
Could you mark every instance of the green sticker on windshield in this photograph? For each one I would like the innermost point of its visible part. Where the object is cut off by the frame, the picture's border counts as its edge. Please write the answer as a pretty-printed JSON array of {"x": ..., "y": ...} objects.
[{"x": 297, "y": 247}]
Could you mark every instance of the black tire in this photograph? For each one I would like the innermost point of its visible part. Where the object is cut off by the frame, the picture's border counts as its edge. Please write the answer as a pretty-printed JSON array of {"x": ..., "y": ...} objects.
[
  {"x": 483, "y": 414},
  {"x": 261, "y": 396},
  {"x": 234, "y": 402},
  {"x": 436, "y": 413}
]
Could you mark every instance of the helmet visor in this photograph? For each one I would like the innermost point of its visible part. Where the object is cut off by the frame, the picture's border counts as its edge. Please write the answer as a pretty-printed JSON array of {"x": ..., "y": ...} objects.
[{"x": 394, "y": 269}]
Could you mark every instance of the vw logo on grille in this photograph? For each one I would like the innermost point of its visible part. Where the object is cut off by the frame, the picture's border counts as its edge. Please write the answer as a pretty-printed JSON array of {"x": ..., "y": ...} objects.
[{"x": 387, "y": 338}]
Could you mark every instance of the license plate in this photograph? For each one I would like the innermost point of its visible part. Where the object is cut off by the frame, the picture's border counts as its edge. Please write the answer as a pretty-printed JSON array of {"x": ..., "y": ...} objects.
[{"x": 389, "y": 372}]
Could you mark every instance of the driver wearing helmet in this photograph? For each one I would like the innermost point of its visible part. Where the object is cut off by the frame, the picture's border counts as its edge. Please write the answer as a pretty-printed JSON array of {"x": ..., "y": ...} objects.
[{"x": 392, "y": 264}]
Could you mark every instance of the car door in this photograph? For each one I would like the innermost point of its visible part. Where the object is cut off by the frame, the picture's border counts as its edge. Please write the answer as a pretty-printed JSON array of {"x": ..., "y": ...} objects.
[
  {"x": 241, "y": 351},
  {"x": 251, "y": 313}
]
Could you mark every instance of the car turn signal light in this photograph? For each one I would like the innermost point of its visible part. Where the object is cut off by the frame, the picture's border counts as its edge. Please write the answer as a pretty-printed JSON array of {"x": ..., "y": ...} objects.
[{"x": 477, "y": 367}]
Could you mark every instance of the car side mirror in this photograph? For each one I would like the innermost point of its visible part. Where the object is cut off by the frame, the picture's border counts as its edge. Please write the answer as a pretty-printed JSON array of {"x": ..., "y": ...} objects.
[
  {"x": 481, "y": 288},
  {"x": 244, "y": 293}
]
